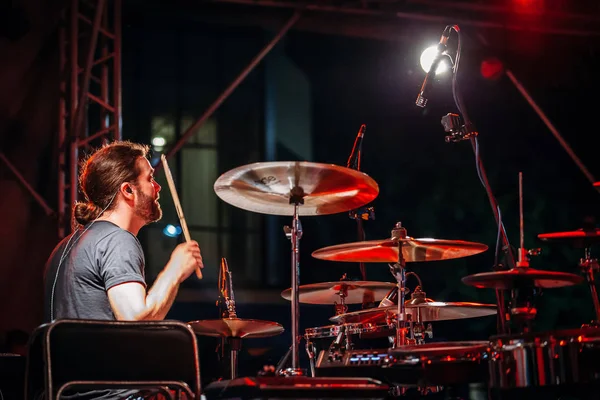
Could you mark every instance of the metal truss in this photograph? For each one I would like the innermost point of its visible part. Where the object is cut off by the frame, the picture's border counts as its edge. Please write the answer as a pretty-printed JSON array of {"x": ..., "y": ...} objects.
[
  {"x": 544, "y": 17},
  {"x": 90, "y": 98}
]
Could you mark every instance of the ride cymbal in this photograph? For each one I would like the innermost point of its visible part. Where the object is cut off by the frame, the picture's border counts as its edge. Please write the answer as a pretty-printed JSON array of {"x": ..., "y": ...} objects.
[
  {"x": 522, "y": 277},
  {"x": 356, "y": 292},
  {"x": 420, "y": 312},
  {"x": 236, "y": 327},
  {"x": 386, "y": 251},
  {"x": 269, "y": 187}
]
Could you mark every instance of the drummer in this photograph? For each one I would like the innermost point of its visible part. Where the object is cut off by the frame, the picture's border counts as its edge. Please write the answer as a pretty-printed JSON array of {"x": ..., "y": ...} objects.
[{"x": 98, "y": 271}]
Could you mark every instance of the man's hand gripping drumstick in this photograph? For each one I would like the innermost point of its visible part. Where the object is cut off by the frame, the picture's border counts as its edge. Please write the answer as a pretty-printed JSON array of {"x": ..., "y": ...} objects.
[{"x": 184, "y": 228}]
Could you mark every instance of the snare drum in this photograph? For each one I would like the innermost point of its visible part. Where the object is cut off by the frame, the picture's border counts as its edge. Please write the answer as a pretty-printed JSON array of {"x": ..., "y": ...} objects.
[
  {"x": 545, "y": 359},
  {"x": 331, "y": 331},
  {"x": 363, "y": 330}
]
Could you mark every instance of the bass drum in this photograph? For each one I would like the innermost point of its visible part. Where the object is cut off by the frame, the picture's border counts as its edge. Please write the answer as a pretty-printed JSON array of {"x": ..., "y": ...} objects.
[{"x": 549, "y": 364}]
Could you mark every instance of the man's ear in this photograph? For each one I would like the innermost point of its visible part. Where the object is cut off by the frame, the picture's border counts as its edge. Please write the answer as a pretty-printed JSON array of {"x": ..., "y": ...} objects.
[{"x": 126, "y": 189}]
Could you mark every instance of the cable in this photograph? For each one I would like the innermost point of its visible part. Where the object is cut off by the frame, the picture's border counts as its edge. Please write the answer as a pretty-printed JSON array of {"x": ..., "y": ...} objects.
[
  {"x": 478, "y": 163},
  {"x": 501, "y": 235}
]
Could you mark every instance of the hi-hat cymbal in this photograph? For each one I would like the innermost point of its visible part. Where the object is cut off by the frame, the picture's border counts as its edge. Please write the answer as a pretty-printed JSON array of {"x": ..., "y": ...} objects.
[
  {"x": 579, "y": 237},
  {"x": 522, "y": 277},
  {"x": 236, "y": 327},
  {"x": 386, "y": 251},
  {"x": 420, "y": 312},
  {"x": 266, "y": 188},
  {"x": 357, "y": 292}
]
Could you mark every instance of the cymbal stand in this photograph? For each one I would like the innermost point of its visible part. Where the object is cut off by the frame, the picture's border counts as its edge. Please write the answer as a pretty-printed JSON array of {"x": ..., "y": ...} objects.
[
  {"x": 589, "y": 266},
  {"x": 295, "y": 234},
  {"x": 523, "y": 299},
  {"x": 398, "y": 270},
  {"x": 341, "y": 307},
  {"x": 522, "y": 307}
]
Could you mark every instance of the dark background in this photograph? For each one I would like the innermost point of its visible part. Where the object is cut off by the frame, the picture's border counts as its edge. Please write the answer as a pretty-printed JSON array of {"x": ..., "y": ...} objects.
[{"x": 357, "y": 70}]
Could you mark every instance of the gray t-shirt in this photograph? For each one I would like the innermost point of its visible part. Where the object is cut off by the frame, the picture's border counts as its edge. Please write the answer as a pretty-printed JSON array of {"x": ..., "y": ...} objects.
[
  {"x": 99, "y": 256},
  {"x": 94, "y": 259}
]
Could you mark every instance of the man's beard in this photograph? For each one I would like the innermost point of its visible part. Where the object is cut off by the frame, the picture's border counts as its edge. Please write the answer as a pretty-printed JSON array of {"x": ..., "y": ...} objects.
[{"x": 147, "y": 208}]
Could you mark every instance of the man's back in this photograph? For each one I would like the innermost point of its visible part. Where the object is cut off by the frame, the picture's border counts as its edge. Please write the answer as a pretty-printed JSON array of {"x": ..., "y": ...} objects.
[{"x": 85, "y": 265}]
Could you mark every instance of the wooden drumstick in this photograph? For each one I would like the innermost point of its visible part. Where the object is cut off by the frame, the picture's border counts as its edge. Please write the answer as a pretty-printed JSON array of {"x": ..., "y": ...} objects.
[{"x": 184, "y": 228}]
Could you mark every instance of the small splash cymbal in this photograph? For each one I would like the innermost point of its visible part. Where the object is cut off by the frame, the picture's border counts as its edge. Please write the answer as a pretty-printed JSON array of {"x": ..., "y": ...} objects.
[
  {"x": 236, "y": 327},
  {"x": 522, "y": 277},
  {"x": 268, "y": 188},
  {"x": 356, "y": 292},
  {"x": 386, "y": 251}
]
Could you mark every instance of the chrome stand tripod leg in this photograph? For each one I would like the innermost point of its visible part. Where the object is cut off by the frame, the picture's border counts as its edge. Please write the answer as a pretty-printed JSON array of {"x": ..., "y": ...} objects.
[
  {"x": 280, "y": 365},
  {"x": 310, "y": 350}
]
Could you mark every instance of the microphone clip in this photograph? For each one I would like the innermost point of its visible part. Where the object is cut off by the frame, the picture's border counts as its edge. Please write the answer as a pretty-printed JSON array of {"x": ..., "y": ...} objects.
[{"x": 452, "y": 124}]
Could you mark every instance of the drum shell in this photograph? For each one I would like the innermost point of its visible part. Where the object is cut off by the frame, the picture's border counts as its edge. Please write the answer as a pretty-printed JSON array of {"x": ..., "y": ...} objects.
[
  {"x": 545, "y": 359},
  {"x": 440, "y": 363}
]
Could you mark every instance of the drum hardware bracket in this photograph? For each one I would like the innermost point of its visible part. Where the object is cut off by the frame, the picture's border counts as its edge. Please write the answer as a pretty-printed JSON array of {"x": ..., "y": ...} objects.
[
  {"x": 419, "y": 329},
  {"x": 589, "y": 266},
  {"x": 458, "y": 131},
  {"x": 403, "y": 390},
  {"x": 363, "y": 213},
  {"x": 342, "y": 308}
]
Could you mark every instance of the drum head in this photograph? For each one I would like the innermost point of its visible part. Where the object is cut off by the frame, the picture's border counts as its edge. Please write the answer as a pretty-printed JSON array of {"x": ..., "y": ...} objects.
[{"x": 444, "y": 349}]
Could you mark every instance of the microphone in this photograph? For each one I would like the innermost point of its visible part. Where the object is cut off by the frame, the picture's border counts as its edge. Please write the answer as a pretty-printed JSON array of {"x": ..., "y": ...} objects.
[
  {"x": 427, "y": 82},
  {"x": 355, "y": 155},
  {"x": 226, "y": 298},
  {"x": 223, "y": 289}
]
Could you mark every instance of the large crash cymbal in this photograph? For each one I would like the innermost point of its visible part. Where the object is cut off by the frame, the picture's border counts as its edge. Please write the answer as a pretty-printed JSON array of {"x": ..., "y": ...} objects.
[
  {"x": 266, "y": 188},
  {"x": 357, "y": 292},
  {"x": 236, "y": 327},
  {"x": 386, "y": 251},
  {"x": 421, "y": 312},
  {"x": 521, "y": 277},
  {"x": 578, "y": 238}
]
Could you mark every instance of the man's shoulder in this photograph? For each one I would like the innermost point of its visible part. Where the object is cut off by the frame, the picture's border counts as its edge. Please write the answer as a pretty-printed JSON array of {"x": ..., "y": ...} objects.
[
  {"x": 104, "y": 232},
  {"x": 105, "y": 228}
]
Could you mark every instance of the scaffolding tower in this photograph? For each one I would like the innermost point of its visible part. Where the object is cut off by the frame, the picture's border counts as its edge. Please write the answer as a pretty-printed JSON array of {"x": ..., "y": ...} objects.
[{"x": 90, "y": 91}]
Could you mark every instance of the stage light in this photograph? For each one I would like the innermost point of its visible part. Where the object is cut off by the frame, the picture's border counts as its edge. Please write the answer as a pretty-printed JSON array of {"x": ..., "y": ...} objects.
[
  {"x": 427, "y": 57},
  {"x": 159, "y": 141},
  {"x": 491, "y": 68},
  {"x": 172, "y": 230}
]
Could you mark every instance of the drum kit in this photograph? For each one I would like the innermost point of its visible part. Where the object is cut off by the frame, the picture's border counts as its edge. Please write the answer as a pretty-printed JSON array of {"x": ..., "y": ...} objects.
[{"x": 518, "y": 360}]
